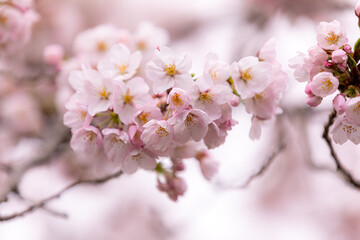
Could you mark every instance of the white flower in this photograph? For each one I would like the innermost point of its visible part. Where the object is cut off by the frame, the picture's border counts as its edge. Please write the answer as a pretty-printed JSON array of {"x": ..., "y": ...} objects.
[
  {"x": 343, "y": 130},
  {"x": 324, "y": 84},
  {"x": 168, "y": 70},
  {"x": 120, "y": 64},
  {"x": 331, "y": 36}
]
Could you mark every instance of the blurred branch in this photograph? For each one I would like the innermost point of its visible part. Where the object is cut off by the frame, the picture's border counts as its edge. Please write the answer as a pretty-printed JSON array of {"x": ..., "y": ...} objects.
[
  {"x": 339, "y": 167},
  {"x": 43, "y": 202}
]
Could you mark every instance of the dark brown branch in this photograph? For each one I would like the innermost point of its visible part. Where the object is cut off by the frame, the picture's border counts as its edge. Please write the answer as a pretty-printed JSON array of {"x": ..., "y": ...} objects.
[
  {"x": 43, "y": 202},
  {"x": 339, "y": 167},
  {"x": 265, "y": 166}
]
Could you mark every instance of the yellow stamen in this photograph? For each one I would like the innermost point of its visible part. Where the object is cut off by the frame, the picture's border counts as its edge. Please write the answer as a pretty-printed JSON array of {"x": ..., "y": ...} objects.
[
  {"x": 349, "y": 129},
  {"x": 104, "y": 94},
  {"x": 206, "y": 97},
  {"x": 144, "y": 117},
  {"x": 141, "y": 45},
  {"x": 170, "y": 69},
  {"x": 162, "y": 132},
  {"x": 83, "y": 115},
  {"x": 246, "y": 75},
  {"x": 214, "y": 76},
  {"x": 176, "y": 99},
  {"x": 128, "y": 99},
  {"x": 332, "y": 38},
  {"x": 357, "y": 108},
  {"x": 101, "y": 46},
  {"x": 190, "y": 121},
  {"x": 3, "y": 20},
  {"x": 90, "y": 136},
  {"x": 326, "y": 84},
  {"x": 122, "y": 69}
]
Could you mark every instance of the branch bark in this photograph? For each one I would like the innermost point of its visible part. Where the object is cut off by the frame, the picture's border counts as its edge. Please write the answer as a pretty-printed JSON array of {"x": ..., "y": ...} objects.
[
  {"x": 343, "y": 172},
  {"x": 43, "y": 202}
]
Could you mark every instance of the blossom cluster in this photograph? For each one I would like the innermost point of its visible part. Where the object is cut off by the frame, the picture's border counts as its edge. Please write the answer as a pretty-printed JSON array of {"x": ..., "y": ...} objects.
[
  {"x": 331, "y": 66},
  {"x": 16, "y": 21},
  {"x": 154, "y": 113}
]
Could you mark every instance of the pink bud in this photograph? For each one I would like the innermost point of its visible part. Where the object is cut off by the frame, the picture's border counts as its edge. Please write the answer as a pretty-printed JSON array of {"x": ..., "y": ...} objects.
[
  {"x": 53, "y": 54},
  {"x": 313, "y": 101},
  {"x": 347, "y": 48},
  {"x": 339, "y": 103},
  {"x": 235, "y": 101},
  {"x": 328, "y": 64},
  {"x": 339, "y": 56},
  {"x": 308, "y": 90}
]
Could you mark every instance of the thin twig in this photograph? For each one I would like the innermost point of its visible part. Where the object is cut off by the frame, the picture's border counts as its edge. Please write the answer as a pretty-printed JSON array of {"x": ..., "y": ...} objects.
[
  {"x": 43, "y": 202},
  {"x": 265, "y": 166},
  {"x": 339, "y": 167}
]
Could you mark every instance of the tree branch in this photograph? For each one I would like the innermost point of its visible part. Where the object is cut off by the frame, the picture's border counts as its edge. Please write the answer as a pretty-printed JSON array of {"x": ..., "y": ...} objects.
[
  {"x": 339, "y": 167},
  {"x": 43, "y": 202}
]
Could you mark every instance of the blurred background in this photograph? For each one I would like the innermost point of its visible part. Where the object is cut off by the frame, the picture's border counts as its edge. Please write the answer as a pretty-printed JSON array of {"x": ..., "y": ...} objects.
[{"x": 297, "y": 197}]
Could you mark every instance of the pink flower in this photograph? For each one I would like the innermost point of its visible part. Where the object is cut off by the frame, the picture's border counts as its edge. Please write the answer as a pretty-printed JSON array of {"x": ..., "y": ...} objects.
[
  {"x": 117, "y": 144},
  {"x": 86, "y": 141},
  {"x": 324, "y": 84},
  {"x": 77, "y": 115},
  {"x": 340, "y": 58},
  {"x": 120, "y": 64},
  {"x": 178, "y": 99},
  {"x": 168, "y": 70},
  {"x": 129, "y": 97},
  {"x": 215, "y": 70},
  {"x": 265, "y": 104},
  {"x": 339, "y": 104},
  {"x": 139, "y": 158},
  {"x": 353, "y": 110},
  {"x": 148, "y": 37},
  {"x": 209, "y": 98},
  {"x": 97, "y": 92},
  {"x": 158, "y": 135},
  {"x": 343, "y": 130},
  {"x": 331, "y": 36},
  {"x": 93, "y": 44},
  {"x": 147, "y": 113},
  {"x": 174, "y": 186},
  {"x": 190, "y": 124},
  {"x": 208, "y": 165},
  {"x": 250, "y": 76},
  {"x": 313, "y": 101}
]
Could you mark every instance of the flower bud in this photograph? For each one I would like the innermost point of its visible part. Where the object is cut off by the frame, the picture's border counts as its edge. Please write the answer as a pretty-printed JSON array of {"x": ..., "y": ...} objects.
[
  {"x": 53, "y": 54},
  {"x": 339, "y": 104},
  {"x": 313, "y": 101}
]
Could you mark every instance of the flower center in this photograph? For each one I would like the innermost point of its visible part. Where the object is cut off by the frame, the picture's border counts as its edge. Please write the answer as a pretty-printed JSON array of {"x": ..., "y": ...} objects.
[
  {"x": 332, "y": 38},
  {"x": 141, "y": 45},
  {"x": 128, "y": 99},
  {"x": 357, "y": 108},
  {"x": 101, "y": 46},
  {"x": 83, "y": 115},
  {"x": 122, "y": 68},
  {"x": 206, "y": 97},
  {"x": 90, "y": 136},
  {"x": 214, "y": 76},
  {"x": 176, "y": 99},
  {"x": 161, "y": 132},
  {"x": 259, "y": 96},
  {"x": 246, "y": 75},
  {"x": 190, "y": 121},
  {"x": 3, "y": 20},
  {"x": 349, "y": 129},
  {"x": 143, "y": 117},
  {"x": 136, "y": 157},
  {"x": 170, "y": 69},
  {"x": 326, "y": 84},
  {"x": 104, "y": 94}
]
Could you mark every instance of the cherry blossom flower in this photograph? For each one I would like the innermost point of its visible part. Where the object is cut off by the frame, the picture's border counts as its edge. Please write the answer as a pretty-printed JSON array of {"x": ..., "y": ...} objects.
[
  {"x": 87, "y": 141},
  {"x": 340, "y": 58},
  {"x": 301, "y": 65},
  {"x": 353, "y": 110},
  {"x": 120, "y": 64},
  {"x": 147, "y": 113},
  {"x": 324, "y": 84},
  {"x": 339, "y": 104},
  {"x": 209, "y": 97},
  {"x": 331, "y": 36},
  {"x": 77, "y": 115},
  {"x": 129, "y": 97},
  {"x": 158, "y": 135},
  {"x": 178, "y": 99},
  {"x": 174, "y": 186},
  {"x": 208, "y": 165},
  {"x": 343, "y": 130},
  {"x": 168, "y": 70},
  {"x": 188, "y": 124},
  {"x": 139, "y": 158},
  {"x": 98, "y": 91},
  {"x": 216, "y": 70},
  {"x": 117, "y": 144},
  {"x": 250, "y": 76}
]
